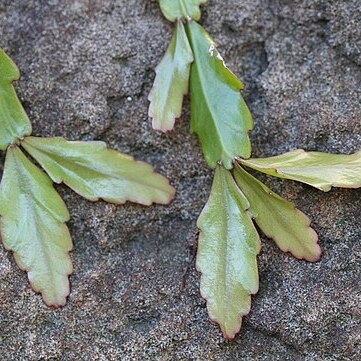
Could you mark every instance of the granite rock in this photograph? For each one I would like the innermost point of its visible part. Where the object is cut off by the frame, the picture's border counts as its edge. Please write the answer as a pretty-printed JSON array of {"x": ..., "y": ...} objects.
[{"x": 87, "y": 67}]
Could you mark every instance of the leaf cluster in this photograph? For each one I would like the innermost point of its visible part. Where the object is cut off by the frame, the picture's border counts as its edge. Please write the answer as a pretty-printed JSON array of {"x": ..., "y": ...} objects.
[
  {"x": 33, "y": 215},
  {"x": 219, "y": 115},
  {"x": 228, "y": 240}
]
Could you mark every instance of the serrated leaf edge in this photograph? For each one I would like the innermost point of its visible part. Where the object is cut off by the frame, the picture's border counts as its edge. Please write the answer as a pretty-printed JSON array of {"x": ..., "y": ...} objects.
[
  {"x": 307, "y": 226},
  {"x": 151, "y": 169},
  {"x": 227, "y": 335},
  {"x": 66, "y": 293},
  {"x": 156, "y": 124}
]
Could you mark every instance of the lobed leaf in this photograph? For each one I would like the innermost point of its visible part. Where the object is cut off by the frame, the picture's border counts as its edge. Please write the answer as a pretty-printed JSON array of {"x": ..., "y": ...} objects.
[
  {"x": 14, "y": 123},
  {"x": 278, "y": 218},
  {"x": 181, "y": 9},
  {"x": 228, "y": 245},
  {"x": 320, "y": 170},
  {"x": 171, "y": 81},
  {"x": 219, "y": 115},
  {"x": 94, "y": 172},
  {"x": 33, "y": 227}
]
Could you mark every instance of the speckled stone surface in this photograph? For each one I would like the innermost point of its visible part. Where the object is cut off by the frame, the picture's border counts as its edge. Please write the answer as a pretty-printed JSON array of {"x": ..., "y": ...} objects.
[{"x": 87, "y": 68}]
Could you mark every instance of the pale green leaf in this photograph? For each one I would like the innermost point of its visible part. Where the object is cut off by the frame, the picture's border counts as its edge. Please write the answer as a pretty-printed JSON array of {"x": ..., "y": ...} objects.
[
  {"x": 228, "y": 245},
  {"x": 14, "y": 123},
  {"x": 94, "y": 171},
  {"x": 278, "y": 218},
  {"x": 219, "y": 114},
  {"x": 181, "y": 9},
  {"x": 320, "y": 170},
  {"x": 33, "y": 226},
  {"x": 171, "y": 81}
]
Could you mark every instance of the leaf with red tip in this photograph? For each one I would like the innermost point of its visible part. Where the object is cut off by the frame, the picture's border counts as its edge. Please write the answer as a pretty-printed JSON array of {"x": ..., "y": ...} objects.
[
  {"x": 33, "y": 226},
  {"x": 171, "y": 81},
  {"x": 228, "y": 246},
  {"x": 278, "y": 218},
  {"x": 94, "y": 171},
  {"x": 319, "y": 170}
]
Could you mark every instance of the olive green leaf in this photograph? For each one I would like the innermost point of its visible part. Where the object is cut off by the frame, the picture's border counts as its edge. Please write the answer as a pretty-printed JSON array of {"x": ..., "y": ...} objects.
[
  {"x": 94, "y": 171},
  {"x": 228, "y": 245},
  {"x": 278, "y": 218},
  {"x": 219, "y": 114},
  {"x": 33, "y": 227},
  {"x": 181, "y": 9},
  {"x": 171, "y": 82},
  {"x": 320, "y": 170},
  {"x": 14, "y": 123}
]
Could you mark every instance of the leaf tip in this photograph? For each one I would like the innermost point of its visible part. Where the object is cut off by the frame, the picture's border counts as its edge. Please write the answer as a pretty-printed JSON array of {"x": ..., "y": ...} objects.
[
  {"x": 161, "y": 126},
  {"x": 57, "y": 304},
  {"x": 314, "y": 252},
  {"x": 56, "y": 300},
  {"x": 229, "y": 331},
  {"x": 171, "y": 194}
]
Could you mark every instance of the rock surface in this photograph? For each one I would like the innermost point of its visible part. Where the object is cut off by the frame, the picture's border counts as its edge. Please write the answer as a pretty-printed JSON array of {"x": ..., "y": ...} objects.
[{"x": 87, "y": 68}]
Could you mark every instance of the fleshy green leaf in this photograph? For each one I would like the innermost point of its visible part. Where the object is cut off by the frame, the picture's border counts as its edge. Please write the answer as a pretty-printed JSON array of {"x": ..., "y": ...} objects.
[
  {"x": 181, "y": 9},
  {"x": 14, "y": 123},
  {"x": 171, "y": 82},
  {"x": 33, "y": 227},
  {"x": 320, "y": 170},
  {"x": 278, "y": 218},
  {"x": 219, "y": 114},
  {"x": 94, "y": 171},
  {"x": 228, "y": 245}
]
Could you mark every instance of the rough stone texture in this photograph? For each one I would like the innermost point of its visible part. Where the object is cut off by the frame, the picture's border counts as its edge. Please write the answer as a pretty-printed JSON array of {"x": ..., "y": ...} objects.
[{"x": 87, "y": 67}]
